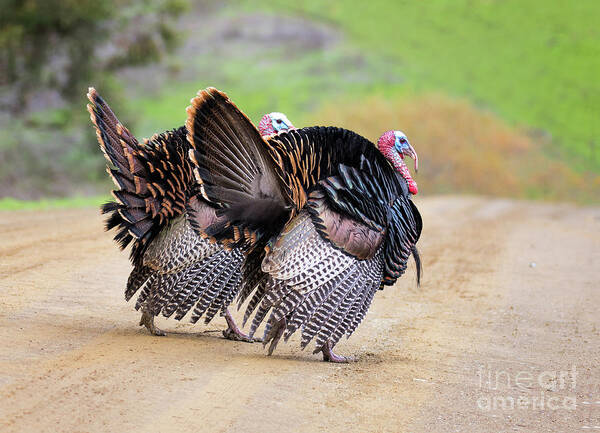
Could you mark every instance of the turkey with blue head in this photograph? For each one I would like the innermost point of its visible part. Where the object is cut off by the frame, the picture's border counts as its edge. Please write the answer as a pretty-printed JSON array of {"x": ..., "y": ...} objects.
[
  {"x": 159, "y": 210},
  {"x": 323, "y": 215},
  {"x": 274, "y": 123}
]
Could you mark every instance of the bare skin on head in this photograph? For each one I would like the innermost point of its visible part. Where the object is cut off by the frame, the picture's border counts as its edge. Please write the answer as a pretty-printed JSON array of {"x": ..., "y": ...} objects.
[
  {"x": 274, "y": 123},
  {"x": 394, "y": 145}
]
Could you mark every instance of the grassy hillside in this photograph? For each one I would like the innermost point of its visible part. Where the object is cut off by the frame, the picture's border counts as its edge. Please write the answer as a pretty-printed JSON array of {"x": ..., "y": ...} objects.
[
  {"x": 513, "y": 106},
  {"x": 499, "y": 97},
  {"x": 482, "y": 155},
  {"x": 533, "y": 62}
]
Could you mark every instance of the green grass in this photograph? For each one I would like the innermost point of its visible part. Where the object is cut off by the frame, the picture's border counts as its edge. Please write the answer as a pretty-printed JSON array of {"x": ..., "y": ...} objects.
[
  {"x": 533, "y": 62},
  {"x": 11, "y": 204}
]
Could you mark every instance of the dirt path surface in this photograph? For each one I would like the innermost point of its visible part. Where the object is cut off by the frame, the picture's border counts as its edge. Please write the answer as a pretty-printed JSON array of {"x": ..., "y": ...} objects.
[{"x": 509, "y": 311}]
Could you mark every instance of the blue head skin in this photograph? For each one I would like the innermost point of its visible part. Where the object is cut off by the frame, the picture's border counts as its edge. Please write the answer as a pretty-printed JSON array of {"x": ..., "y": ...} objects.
[
  {"x": 280, "y": 122},
  {"x": 403, "y": 147},
  {"x": 273, "y": 123}
]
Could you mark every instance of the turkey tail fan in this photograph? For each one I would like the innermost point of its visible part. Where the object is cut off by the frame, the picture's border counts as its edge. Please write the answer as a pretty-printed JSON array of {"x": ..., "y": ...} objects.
[
  {"x": 233, "y": 164},
  {"x": 115, "y": 140},
  {"x": 152, "y": 178},
  {"x": 119, "y": 146}
]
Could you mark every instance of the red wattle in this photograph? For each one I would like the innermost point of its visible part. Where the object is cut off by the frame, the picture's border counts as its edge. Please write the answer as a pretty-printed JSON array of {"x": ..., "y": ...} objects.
[
  {"x": 403, "y": 169},
  {"x": 397, "y": 160},
  {"x": 412, "y": 187}
]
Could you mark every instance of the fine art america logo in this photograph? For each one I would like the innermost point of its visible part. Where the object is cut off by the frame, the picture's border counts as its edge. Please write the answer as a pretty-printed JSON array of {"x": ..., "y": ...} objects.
[{"x": 527, "y": 389}]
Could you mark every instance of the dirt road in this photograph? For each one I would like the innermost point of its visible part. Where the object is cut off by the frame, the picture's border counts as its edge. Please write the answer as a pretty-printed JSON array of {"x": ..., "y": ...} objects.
[{"x": 509, "y": 311}]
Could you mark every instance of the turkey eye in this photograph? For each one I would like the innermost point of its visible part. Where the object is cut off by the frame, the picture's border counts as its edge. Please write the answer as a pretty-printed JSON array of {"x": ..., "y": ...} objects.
[{"x": 279, "y": 120}]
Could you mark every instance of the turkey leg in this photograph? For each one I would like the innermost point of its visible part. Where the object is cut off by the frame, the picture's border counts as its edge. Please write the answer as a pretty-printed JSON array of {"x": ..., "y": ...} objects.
[
  {"x": 233, "y": 332},
  {"x": 329, "y": 356},
  {"x": 148, "y": 321}
]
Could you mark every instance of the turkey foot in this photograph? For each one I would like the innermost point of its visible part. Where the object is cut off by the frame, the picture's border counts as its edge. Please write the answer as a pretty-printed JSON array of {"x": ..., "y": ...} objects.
[
  {"x": 329, "y": 356},
  {"x": 148, "y": 321},
  {"x": 234, "y": 333}
]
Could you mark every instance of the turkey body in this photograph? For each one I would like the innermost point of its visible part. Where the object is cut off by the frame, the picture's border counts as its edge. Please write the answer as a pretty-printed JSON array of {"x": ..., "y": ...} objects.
[
  {"x": 323, "y": 217},
  {"x": 159, "y": 211}
]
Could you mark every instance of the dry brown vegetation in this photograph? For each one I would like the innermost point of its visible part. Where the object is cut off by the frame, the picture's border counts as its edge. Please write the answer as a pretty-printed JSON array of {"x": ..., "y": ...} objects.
[{"x": 462, "y": 149}]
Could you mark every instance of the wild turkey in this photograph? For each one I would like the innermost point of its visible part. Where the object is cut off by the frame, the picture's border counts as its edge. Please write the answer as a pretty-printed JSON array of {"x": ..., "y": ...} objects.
[
  {"x": 158, "y": 209},
  {"x": 324, "y": 216}
]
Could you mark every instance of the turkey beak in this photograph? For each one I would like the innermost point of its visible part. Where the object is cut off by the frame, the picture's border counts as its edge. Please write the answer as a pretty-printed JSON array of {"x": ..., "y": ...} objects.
[{"x": 410, "y": 151}]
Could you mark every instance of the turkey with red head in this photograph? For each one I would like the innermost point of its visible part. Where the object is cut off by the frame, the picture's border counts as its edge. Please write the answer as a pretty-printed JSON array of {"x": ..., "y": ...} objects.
[
  {"x": 159, "y": 210},
  {"x": 324, "y": 216}
]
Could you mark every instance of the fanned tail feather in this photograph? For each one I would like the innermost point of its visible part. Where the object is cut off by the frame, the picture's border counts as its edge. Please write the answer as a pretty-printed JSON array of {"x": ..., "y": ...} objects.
[
  {"x": 232, "y": 162},
  {"x": 152, "y": 178}
]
